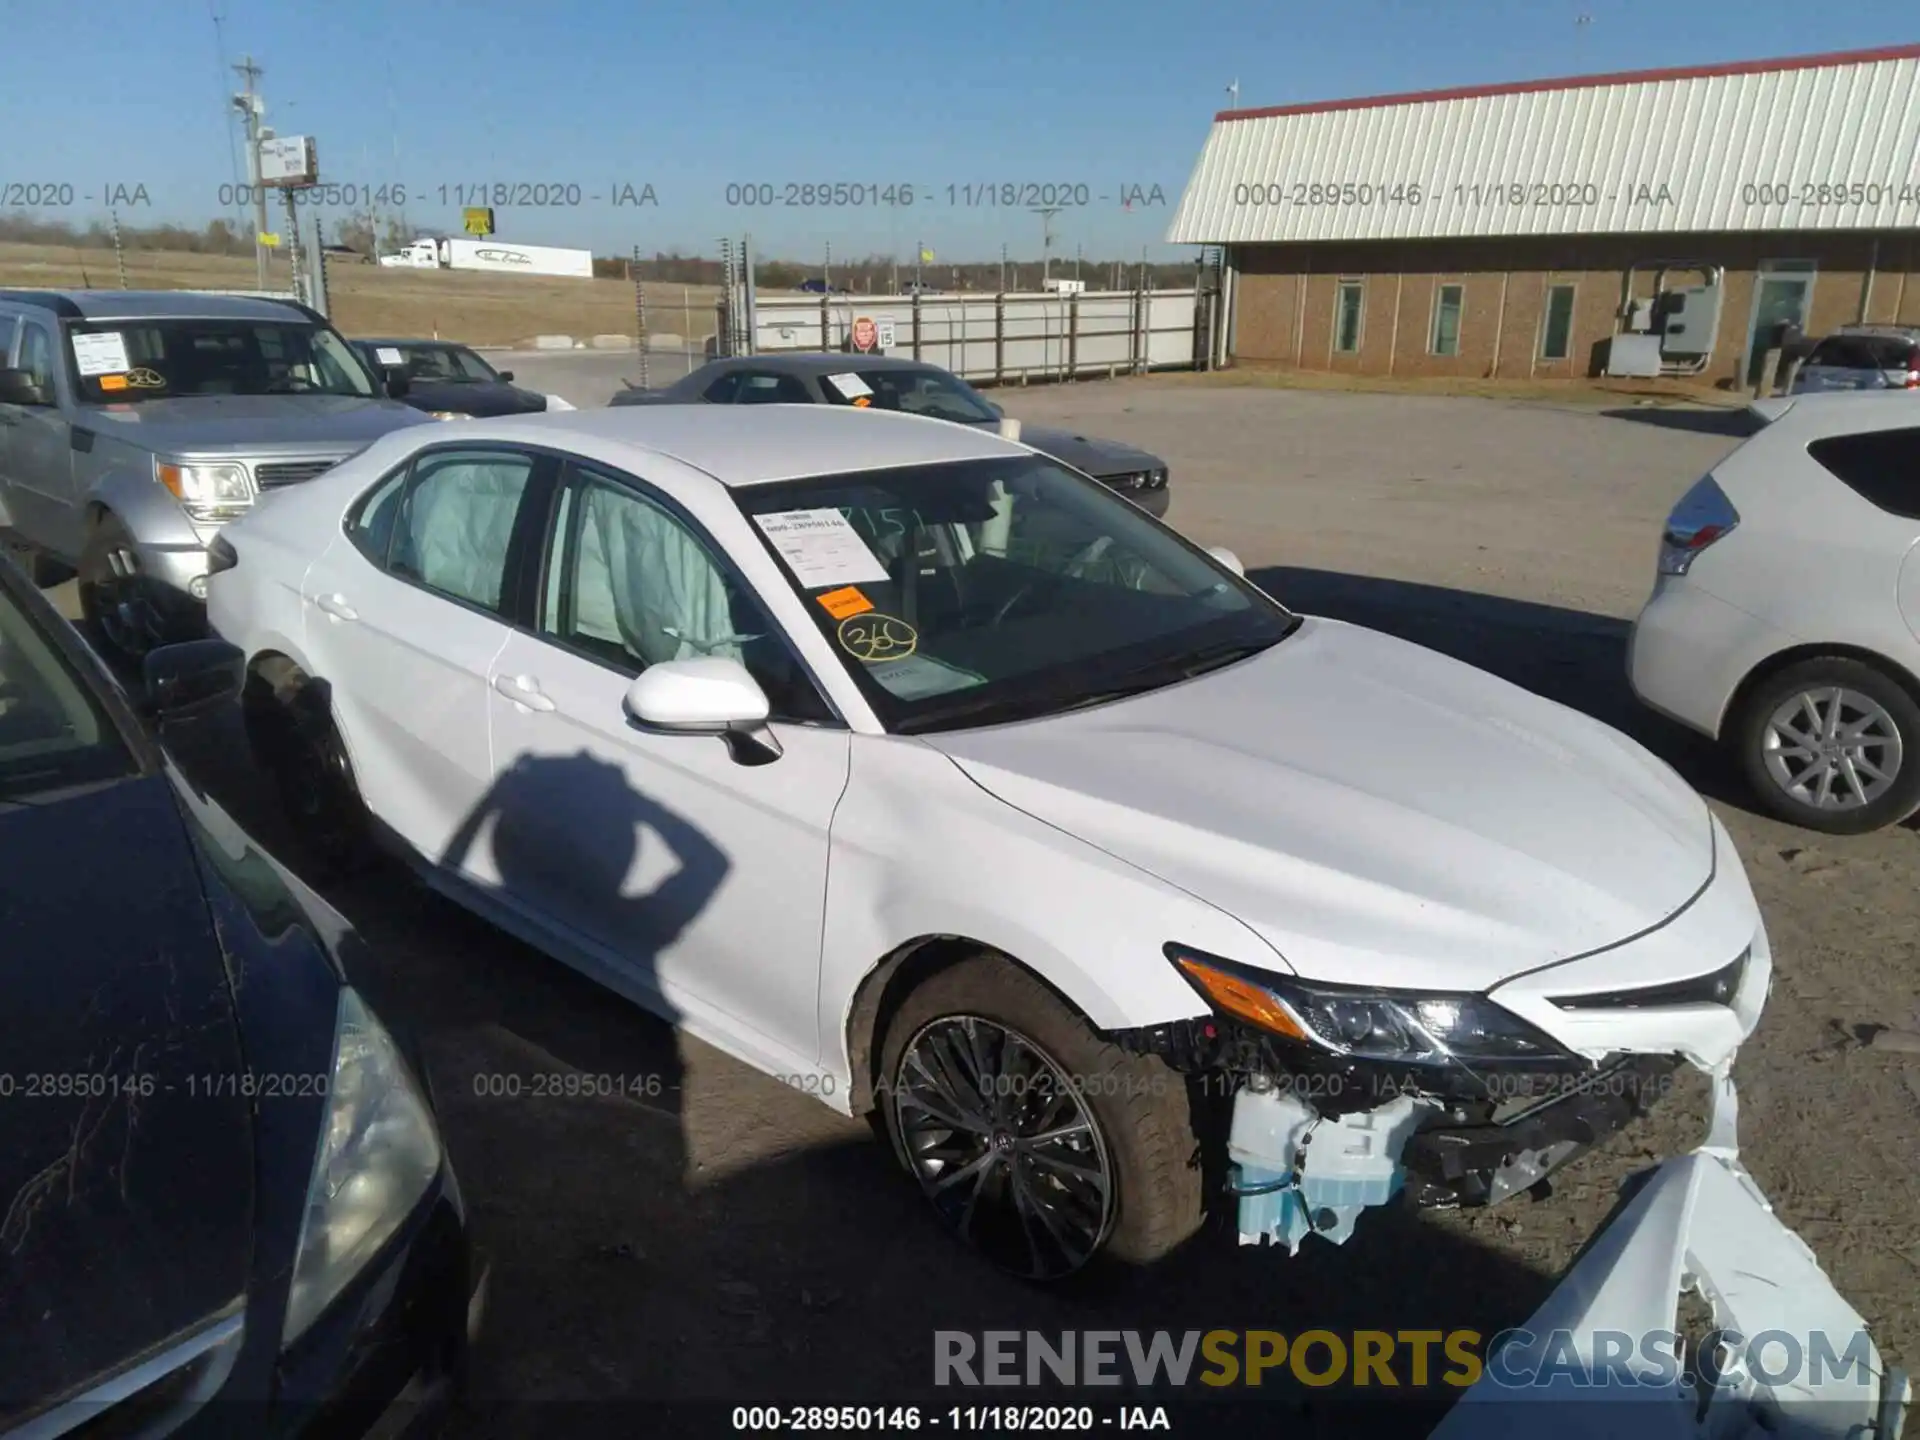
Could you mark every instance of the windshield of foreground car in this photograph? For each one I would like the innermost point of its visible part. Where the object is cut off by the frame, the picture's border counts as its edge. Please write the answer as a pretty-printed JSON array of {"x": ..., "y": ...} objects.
[
  {"x": 984, "y": 591},
  {"x": 127, "y": 361},
  {"x": 913, "y": 392},
  {"x": 54, "y": 733}
]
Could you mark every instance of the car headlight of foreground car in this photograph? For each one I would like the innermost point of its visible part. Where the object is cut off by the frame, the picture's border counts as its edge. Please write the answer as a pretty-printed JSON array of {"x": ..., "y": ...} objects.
[
  {"x": 379, "y": 1151},
  {"x": 1396, "y": 1026}
]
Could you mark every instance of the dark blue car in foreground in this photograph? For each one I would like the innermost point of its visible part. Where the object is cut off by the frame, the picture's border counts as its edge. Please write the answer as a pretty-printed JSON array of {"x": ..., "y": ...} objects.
[{"x": 225, "y": 1206}]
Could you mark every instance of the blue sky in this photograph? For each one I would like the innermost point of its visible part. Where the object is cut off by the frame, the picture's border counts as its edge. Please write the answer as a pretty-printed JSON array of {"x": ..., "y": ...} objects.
[{"x": 689, "y": 96}]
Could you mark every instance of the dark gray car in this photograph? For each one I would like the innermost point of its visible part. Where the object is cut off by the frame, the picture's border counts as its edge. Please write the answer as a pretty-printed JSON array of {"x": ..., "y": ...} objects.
[{"x": 884, "y": 383}]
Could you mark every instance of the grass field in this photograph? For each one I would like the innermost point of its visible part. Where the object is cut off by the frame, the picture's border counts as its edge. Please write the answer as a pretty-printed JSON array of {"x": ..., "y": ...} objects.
[{"x": 477, "y": 309}]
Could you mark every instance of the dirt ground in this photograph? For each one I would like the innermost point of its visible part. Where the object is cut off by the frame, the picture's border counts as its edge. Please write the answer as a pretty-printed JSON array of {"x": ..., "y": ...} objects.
[
  {"x": 476, "y": 309},
  {"x": 717, "y": 1234}
]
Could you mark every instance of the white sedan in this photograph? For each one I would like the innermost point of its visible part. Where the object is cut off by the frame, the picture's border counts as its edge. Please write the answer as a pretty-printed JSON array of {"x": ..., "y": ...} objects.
[
  {"x": 1785, "y": 618},
  {"x": 905, "y": 764}
]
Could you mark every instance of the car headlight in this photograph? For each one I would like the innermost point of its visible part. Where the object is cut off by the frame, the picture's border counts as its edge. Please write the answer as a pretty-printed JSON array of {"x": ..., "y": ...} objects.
[
  {"x": 1400, "y": 1026},
  {"x": 446, "y": 415},
  {"x": 379, "y": 1151},
  {"x": 207, "y": 492}
]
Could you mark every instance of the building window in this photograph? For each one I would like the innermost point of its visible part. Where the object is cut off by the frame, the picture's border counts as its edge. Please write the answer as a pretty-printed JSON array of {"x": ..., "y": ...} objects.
[
  {"x": 1556, "y": 329},
  {"x": 1347, "y": 309},
  {"x": 1446, "y": 321}
]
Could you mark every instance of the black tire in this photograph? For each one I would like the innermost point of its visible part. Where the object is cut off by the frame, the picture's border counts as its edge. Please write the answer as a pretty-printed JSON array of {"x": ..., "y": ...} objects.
[
  {"x": 127, "y": 614},
  {"x": 1760, "y": 759},
  {"x": 291, "y": 731},
  {"x": 1141, "y": 1124}
]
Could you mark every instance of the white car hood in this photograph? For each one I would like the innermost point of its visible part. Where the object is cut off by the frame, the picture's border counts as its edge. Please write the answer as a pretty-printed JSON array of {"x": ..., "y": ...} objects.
[{"x": 1379, "y": 813}]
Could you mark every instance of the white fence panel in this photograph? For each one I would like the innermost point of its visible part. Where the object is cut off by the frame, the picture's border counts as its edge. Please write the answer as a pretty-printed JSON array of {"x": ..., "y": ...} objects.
[{"x": 996, "y": 338}]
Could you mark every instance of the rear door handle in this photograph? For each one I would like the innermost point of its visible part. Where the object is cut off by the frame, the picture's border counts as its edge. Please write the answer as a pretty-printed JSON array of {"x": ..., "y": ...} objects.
[
  {"x": 337, "y": 607},
  {"x": 522, "y": 690}
]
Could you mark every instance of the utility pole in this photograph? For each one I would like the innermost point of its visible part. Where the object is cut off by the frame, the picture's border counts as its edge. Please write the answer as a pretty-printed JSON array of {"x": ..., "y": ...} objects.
[
  {"x": 919, "y": 260},
  {"x": 1003, "y": 267},
  {"x": 250, "y": 105},
  {"x": 1046, "y": 214}
]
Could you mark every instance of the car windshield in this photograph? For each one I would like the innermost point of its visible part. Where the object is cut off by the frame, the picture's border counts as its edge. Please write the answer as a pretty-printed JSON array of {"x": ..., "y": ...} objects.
[
  {"x": 984, "y": 591},
  {"x": 443, "y": 362},
  {"x": 124, "y": 361},
  {"x": 54, "y": 732},
  {"x": 914, "y": 392}
]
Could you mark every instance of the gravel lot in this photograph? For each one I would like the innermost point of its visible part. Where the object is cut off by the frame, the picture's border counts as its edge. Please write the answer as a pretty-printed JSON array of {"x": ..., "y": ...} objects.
[{"x": 730, "y": 1237}]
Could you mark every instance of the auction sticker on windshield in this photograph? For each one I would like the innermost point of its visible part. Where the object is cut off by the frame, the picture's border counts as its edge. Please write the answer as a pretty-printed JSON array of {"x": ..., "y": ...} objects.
[
  {"x": 851, "y": 386},
  {"x": 848, "y": 600},
  {"x": 822, "y": 548},
  {"x": 101, "y": 354},
  {"x": 387, "y": 355},
  {"x": 875, "y": 638}
]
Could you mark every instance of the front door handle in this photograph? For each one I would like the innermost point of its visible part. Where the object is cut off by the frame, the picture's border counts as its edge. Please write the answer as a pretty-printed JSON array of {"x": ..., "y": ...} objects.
[
  {"x": 337, "y": 607},
  {"x": 522, "y": 690}
]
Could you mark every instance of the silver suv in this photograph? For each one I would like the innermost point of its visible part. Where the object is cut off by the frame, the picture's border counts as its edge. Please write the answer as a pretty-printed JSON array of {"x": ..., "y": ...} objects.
[{"x": 134, "y": 424}]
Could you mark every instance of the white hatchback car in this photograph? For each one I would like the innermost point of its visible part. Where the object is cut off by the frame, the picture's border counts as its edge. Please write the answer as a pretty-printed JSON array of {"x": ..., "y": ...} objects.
[
  {"x": 1785, "y": 618},
  {"x": 978, "y": 798}
]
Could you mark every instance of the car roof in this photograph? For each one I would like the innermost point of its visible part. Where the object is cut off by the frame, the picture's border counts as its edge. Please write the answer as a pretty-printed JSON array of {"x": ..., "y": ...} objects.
[
  {"x": 1897, "y": 332},
  {"x": 755, "y": 445},
  {"x": 157, "y": 305},
  {"x": 815, "y": 362},
  {"x": 1843, "y": 412}
]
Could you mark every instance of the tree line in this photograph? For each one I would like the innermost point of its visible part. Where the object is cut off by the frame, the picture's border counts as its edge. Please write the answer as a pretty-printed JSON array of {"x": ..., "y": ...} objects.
[{"x": 868, "y": 275}]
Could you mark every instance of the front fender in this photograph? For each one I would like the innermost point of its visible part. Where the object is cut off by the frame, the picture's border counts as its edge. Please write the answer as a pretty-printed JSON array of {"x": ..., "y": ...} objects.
[
  {"x": 128, "y": 489},
  {"x": 1089, "y": 924}
]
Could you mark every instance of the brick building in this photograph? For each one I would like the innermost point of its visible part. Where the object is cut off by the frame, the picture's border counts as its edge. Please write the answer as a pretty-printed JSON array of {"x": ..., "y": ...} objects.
[{"x": 1506, "y": 231}]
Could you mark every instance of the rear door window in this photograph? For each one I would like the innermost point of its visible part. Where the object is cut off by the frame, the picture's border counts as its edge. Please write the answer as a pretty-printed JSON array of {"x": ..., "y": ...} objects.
[
  {"x": 1881, "y": 466},
  {"x": 771, "y": 388},
  {"x": 453, "y": 530},
  {"x": 720, "y": 392}
]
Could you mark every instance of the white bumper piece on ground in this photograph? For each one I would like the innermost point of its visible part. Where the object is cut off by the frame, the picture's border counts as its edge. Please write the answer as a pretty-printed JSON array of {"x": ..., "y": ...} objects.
[{"x": 1792, "y": 1358}]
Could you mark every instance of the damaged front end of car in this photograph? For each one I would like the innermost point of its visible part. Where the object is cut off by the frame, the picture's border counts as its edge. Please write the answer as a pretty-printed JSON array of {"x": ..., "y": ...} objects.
[{"x": 1345, "y": 1098}]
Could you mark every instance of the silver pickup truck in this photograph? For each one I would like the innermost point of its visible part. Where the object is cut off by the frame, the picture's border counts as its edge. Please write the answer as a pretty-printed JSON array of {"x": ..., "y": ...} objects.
[{"x": 134, "y": 424}]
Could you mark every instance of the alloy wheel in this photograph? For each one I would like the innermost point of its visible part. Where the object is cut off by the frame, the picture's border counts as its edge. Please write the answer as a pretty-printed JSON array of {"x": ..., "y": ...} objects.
[
  {"x": 1832, "y": 748},
  {"x": 1004, "y": 1145}
]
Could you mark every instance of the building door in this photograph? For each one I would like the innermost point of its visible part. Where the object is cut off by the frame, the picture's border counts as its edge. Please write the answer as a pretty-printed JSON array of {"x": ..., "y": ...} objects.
[{"x": 1783, "y": 291}]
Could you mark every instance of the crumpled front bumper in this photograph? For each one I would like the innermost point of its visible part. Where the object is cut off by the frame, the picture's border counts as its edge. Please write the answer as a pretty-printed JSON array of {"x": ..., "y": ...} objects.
[
  {"x": 1602, "y": 1357},
  {"x": 1483, "y": 1163}
]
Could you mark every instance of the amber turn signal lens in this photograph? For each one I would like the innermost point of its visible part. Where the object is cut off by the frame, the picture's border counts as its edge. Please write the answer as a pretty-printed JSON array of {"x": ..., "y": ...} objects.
[{"x": 1241, "y": 998}]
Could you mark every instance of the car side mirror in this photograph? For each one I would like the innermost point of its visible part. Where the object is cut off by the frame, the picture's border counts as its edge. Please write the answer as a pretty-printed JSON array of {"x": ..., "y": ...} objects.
[
  {"x": 18, "y": 387},
  {"x": 705, "y": 696},
  {"x": 397, "y": 384},
  {"x": 192, "y": 678},
  {"x": 1226, "y": 557},
  {"x": 506, "y": 377}
]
